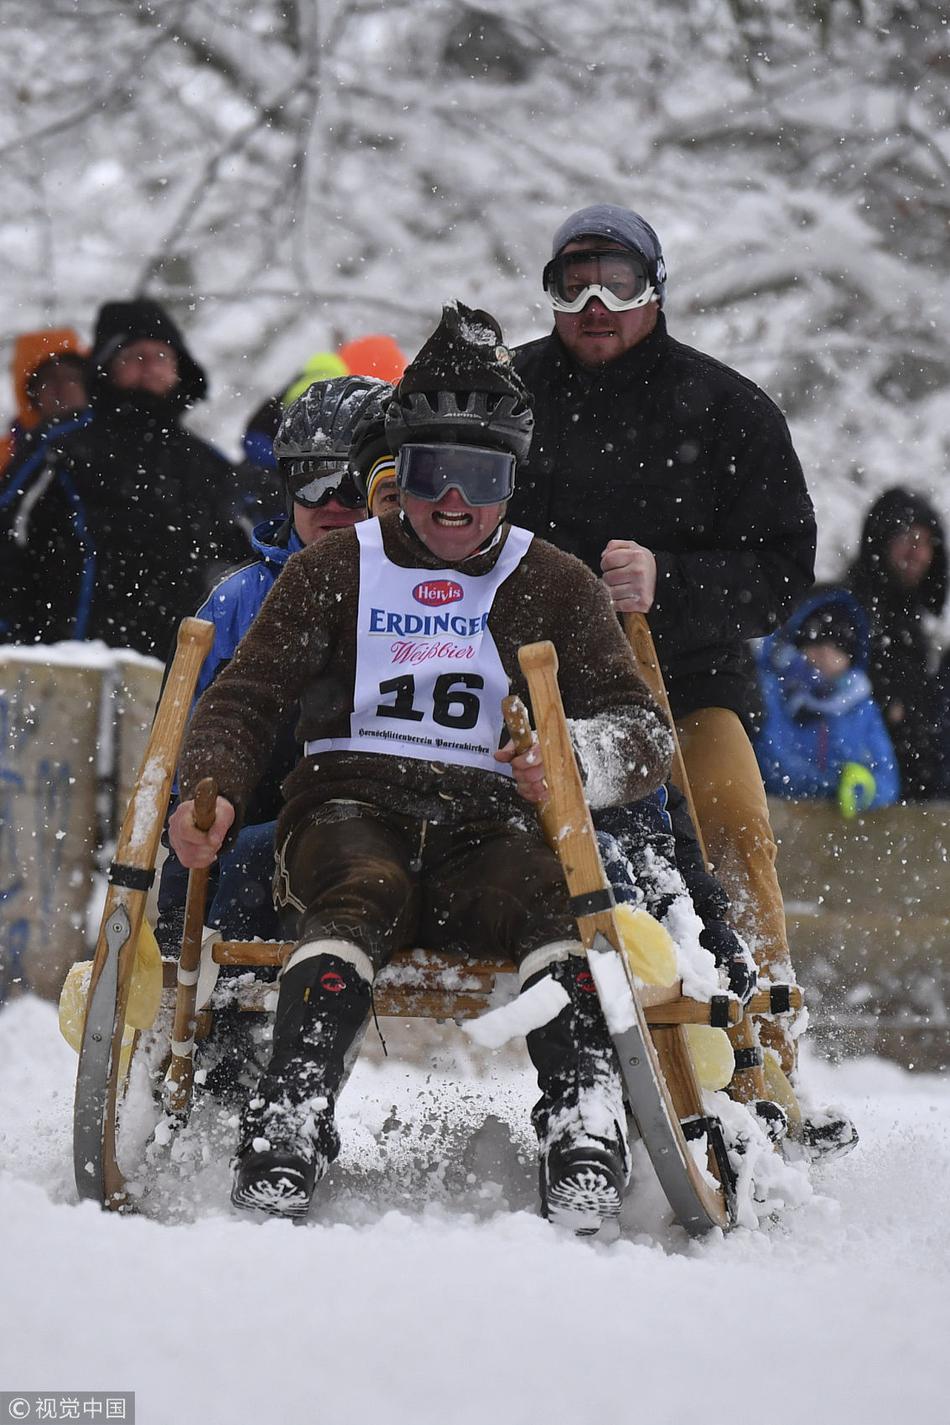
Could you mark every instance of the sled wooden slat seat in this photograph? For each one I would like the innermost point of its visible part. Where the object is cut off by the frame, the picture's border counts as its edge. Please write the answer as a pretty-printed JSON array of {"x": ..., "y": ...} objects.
[
  {"x": 426, "y": 985},
  {"x": 429, "y": 985}
]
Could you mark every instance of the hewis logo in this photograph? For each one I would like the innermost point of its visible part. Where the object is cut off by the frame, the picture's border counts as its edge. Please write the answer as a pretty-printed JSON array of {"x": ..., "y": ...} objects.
[{"x": 436, "y": 593}]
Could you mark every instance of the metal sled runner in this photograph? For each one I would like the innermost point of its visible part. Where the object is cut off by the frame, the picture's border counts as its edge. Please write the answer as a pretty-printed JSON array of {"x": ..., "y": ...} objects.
[{"x": 685, "y": 1144}]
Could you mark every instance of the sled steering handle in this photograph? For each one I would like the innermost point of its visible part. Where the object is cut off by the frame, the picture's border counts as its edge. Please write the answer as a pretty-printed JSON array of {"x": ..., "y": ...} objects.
[
  {"x": 518, "y": 723},
  {"x": 181, "y": 1069},
  {"x": 206, "y": 797},
  {"x": 648, "y": 666},
  {"x": 748, "y": 1083},
  {"x": 521, "y": 733}
]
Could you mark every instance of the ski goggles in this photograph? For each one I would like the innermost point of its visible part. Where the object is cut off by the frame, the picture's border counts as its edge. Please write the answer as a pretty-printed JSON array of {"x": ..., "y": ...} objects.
[
  {"x": 620, "y": 279},
  {"x": 315, "y": 482},
  {"x": 481, "y": 476}
]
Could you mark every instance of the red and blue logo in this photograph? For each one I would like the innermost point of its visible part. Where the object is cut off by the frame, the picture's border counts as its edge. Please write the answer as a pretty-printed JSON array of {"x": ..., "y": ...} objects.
[{"x": 436, "y": 593}]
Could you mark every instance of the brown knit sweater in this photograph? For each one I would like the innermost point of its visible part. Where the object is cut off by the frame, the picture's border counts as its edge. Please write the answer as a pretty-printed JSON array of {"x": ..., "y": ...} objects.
[{"x": 301, "y": 649}]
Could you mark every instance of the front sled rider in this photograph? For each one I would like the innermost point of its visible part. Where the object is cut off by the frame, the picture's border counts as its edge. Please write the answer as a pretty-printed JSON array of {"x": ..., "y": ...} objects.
[{"x": 406, "y": 821}]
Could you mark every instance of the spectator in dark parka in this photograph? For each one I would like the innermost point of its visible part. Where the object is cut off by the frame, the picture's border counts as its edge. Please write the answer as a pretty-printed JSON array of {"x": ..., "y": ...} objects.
[
  {"x": 900, "y": 576},
  {"x": 943, "y": 709},
  {"x": 118, "y": 524}
]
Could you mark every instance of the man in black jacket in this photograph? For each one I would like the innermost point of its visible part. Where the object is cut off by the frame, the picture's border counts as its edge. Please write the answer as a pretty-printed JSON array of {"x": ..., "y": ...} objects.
[
  {"x": 674, "y": 477},
  {"x": 117, "y": 522}
]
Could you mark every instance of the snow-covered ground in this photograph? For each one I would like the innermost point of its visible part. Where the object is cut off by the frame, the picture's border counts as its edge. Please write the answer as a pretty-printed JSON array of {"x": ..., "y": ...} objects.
[{"x": 425, "y": 1289}]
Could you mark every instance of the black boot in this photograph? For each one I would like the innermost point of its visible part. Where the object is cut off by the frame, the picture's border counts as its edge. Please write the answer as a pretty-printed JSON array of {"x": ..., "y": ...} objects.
[
  {"x": 772, "y": 1119},
  {"x": 231, "y": 1059},
  {"x": 826, "y": 1134},
  {"x": 580, "y": 1118},
  {"x": 279, "y": 1176},
  {"x": 288, "y": 1133},
  {"x": 818, "y": 1132}
]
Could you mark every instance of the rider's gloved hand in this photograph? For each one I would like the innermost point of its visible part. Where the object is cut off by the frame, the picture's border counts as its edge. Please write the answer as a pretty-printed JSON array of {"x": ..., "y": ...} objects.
[
  {"x": 856, "y": 789},
  {"x": 733, "y": 956}
]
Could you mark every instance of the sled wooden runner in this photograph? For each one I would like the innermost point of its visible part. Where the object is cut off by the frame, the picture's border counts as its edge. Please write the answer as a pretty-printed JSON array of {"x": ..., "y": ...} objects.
[
  {"x": 662, "y": 1091},
  {"x": 748, "y": 1082},
  {"x": 97, "y": 1081}
]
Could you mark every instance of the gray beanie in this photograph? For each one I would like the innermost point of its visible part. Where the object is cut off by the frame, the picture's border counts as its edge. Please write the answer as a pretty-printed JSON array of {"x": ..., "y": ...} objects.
[{"x": 623, "y": 225}]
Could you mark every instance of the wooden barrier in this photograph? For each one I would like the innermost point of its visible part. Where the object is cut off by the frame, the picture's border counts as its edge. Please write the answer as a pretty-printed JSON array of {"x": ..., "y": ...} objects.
[
  {"x": 73, "y": 723},
  {"x": 868, "y": 910}
]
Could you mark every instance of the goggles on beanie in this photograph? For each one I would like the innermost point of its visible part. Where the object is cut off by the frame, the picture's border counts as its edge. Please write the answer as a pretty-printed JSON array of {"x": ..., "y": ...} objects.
[
  {"x": 315, "y": 482},
  {"x": 481, "y": 476},
  {"x": 620, "y": 279}
]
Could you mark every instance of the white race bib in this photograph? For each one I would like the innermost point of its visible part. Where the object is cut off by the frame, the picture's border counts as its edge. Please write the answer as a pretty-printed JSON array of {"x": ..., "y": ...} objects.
[{"x": 429, "y": 679}]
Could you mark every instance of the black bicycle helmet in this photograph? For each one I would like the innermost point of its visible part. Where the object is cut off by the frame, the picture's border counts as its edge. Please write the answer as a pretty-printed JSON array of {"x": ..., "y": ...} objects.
[
  {"x": 462, "y": 389},
  {"x": 320, "y": 424},
  {"x": 317, "y": 429}
]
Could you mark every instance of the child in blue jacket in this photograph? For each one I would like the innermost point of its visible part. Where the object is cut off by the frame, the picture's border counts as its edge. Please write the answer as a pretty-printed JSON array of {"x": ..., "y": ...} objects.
[{"x": 822, "y": 733}]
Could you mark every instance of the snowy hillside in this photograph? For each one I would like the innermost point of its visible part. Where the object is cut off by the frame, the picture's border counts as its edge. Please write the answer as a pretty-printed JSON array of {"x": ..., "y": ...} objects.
[
  {"x": 291, "y": 176},
  {"x": 417, "y": 1295}
]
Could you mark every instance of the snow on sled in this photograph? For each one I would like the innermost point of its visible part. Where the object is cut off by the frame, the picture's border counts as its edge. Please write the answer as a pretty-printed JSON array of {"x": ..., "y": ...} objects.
[{"x": 652, "y": 1027}]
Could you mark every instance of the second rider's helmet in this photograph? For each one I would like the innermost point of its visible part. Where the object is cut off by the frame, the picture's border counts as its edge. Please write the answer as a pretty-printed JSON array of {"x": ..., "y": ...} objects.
[{"x": 312, "y": 445}]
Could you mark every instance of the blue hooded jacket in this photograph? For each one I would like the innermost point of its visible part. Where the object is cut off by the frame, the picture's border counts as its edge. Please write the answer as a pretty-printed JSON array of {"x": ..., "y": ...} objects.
[
  {"x": 812, "y": 726},
  {"x": 235, "y": 601},
  {"x": 232, "y": 607}
]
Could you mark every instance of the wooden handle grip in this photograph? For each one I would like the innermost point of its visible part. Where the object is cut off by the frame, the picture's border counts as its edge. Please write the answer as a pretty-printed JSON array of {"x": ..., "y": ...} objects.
[
  {"x": 198, "y": 631},
  {"x": 206, "y": 796},
  {"x": 648, "y": 666},
  {"x": 518, "y": 723},
  {"x": 522, "y": 735},
  {"x": 538, "y": 658}
]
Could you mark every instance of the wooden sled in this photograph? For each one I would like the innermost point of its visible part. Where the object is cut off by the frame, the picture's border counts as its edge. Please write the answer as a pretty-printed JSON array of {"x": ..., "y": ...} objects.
[
  {"x": 130, "y": 877},
  {"x": 662, "y": 1091}
]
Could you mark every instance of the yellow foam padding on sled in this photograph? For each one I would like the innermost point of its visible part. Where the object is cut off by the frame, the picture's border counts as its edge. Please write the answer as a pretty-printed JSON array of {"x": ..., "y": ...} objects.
[
  {"x": 712, "y": 1054},
  {"x": 72, "y": 1013},
  {"x": 145, "y": 991},
  {"x": 145, "y": 995},
  {"x": 780, "y": 1091},
  {"x": 72, "y": 1003},
  {"x": 651, "y": 953}
]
